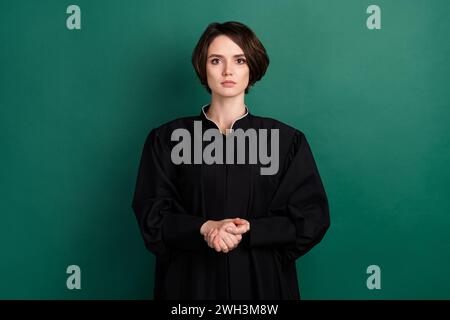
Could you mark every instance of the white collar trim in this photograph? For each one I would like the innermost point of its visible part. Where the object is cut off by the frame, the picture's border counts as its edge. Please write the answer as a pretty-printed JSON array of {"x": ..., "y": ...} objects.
[{"x": 227, "y": 130}]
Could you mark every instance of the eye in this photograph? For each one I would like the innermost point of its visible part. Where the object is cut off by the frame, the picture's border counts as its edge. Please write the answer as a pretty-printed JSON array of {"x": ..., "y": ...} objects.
[{"x": 240, "y": 61}]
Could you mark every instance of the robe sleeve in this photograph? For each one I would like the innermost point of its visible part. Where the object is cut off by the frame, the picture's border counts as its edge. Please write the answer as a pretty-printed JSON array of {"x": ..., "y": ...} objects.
[
  {"x": 163, "y": 221},
  {"x": 298, "y": 216}
]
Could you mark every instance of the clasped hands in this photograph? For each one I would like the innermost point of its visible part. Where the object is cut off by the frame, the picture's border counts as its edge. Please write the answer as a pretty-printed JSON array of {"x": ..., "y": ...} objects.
[{"x": 224, "y": 235}]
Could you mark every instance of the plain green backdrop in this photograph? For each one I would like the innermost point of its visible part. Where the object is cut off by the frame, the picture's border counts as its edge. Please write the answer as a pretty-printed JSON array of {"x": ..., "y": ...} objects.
[{"x": 77, "y": 105}]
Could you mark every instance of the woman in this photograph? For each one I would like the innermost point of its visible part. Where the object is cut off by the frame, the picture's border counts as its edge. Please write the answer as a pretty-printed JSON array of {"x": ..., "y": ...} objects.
[{"x": 224, "y": 229}]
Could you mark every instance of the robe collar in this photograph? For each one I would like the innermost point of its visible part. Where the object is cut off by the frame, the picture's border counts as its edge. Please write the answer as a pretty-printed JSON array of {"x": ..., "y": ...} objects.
[{"x": 241, "y": 122}]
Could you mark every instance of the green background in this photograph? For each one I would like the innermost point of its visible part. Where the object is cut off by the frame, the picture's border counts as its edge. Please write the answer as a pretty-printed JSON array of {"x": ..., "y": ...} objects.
[{"x": 76, "y": 106}]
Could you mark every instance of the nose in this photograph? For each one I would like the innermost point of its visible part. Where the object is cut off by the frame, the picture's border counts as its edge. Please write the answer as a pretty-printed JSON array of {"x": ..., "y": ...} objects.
[{"x": 227, "y": 70}]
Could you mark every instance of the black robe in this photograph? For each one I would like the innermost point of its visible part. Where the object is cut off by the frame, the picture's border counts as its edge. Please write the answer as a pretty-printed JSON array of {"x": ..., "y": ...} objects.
[{"x": 288, "y": 214}]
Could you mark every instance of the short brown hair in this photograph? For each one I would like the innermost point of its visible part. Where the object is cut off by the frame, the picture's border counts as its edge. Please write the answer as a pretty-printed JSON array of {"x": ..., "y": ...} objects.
[{"x": 244, "y": 37}]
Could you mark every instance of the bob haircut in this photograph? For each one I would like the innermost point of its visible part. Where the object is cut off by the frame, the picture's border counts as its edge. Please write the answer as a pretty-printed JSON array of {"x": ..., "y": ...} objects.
[{"x": 243, "y": 36}]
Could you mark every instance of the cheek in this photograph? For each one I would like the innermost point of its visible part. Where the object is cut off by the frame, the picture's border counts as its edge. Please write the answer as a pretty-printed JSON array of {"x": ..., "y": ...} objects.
[
  {"x": 211, "y": 73},
  {"x": 245, "y": 76},
  {"x": 246, "y": 71},
  {"x": 209, "y": 77}
]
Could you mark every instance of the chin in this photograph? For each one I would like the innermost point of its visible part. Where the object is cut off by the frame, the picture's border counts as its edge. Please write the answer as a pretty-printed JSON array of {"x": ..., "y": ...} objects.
[{"x": 229, "y": 93}]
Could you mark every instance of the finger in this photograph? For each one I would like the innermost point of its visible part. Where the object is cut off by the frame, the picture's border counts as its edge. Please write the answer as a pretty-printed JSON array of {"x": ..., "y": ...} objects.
[
  {"x": 236, "y": 239},
  {"x": 216, "y": 243},
  {"x": 211, "y": 238},
  {"x": 228, "y": 241},
  {"x": 239, "y": 230},
  {"x": 243, "y": 228},
  {"x": 232, "y": 230},
  {"x": 208, "y": 234},
  {"x": 226, "y": 225},
  {"x": 223, "y": 245},
  {"x": 211, "y": 242},
  {"x": 239, "y": 221}
]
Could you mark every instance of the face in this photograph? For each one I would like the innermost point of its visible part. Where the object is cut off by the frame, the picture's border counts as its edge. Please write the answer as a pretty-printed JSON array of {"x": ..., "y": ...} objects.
[{"x": 226, "y": 62}]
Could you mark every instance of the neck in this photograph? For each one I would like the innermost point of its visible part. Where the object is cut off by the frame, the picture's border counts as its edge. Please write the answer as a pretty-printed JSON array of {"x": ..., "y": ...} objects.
[{"x": 224, "y": 111}]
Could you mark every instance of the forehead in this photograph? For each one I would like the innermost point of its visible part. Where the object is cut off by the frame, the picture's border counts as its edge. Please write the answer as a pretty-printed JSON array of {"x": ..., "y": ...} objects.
[{"x": 223, "y": 45}]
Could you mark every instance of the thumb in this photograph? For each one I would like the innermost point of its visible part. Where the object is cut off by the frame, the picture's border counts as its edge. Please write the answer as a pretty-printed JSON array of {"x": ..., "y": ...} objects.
[
  {"x": 243, "y": 228},
  {"x": 240, "y": 221}
]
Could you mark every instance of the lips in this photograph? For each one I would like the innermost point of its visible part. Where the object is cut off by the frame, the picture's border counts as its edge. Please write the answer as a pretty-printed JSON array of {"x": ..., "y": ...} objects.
[{"x": 228, "y": 82}]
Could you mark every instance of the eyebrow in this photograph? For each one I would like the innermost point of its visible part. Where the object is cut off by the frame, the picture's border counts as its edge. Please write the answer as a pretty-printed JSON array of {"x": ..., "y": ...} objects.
[{"x": 221, "y": 56}]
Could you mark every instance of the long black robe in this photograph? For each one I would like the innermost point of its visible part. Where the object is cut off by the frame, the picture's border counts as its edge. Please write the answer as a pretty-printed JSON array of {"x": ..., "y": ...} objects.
[{"x": 288, "y": 214}]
